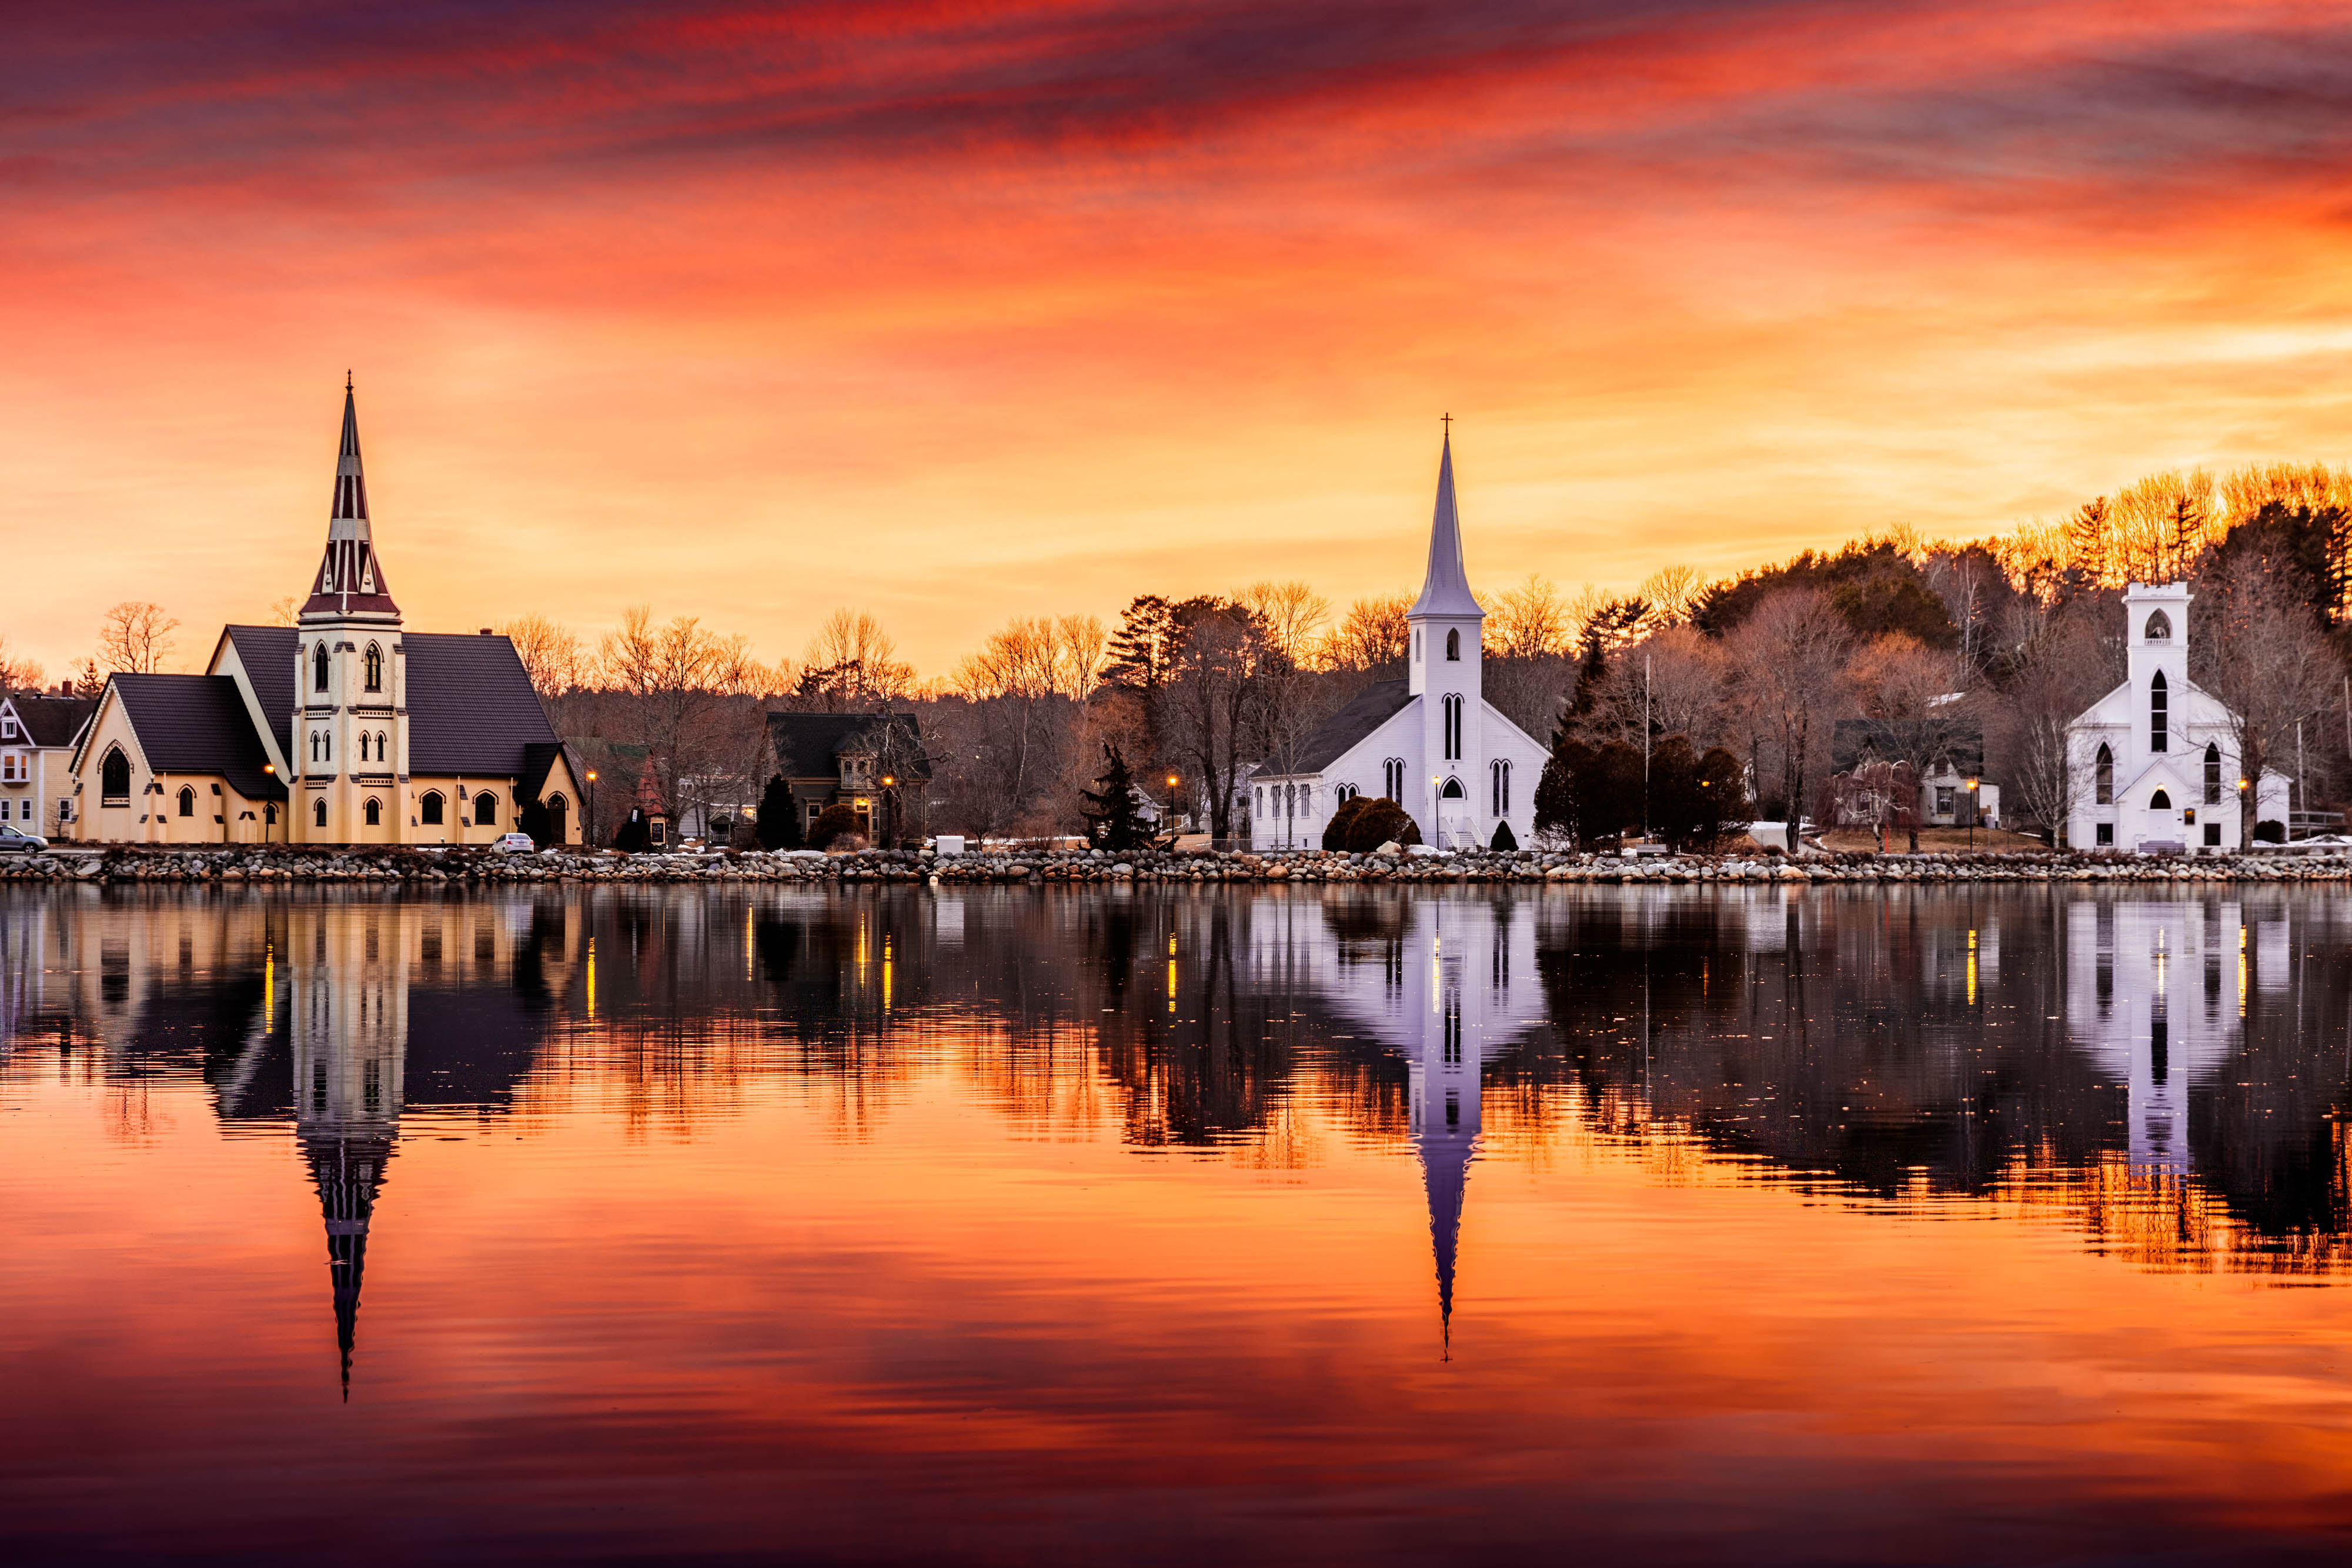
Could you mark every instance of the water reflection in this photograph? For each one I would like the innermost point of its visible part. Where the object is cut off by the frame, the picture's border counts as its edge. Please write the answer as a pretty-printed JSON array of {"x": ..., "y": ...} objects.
[{"x": 2166, "y": 1076}]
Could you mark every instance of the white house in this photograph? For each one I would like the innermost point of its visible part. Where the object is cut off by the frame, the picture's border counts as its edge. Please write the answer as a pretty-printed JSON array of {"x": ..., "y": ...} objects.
[
  {"x": 2157, "y": 757},
  {"x": 39, "y": 731},
  {"x": 1431, "y": 742}
]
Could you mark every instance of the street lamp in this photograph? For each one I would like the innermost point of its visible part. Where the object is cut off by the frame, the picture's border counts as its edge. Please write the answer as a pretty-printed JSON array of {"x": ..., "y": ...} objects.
[
  {"x": 1172, "y": 781},
  {"x": 889, "y": 783},
  {"x": 590, "y": 835},
  {"x": 1973, "y": 816}
]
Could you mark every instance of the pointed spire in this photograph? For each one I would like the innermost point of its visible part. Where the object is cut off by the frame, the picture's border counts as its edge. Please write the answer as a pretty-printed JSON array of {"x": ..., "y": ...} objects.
[
  {"x": 351, "y": 579},
  {"x": 347, "y": 1171},
  {"x": 1445, "y": 590},
  {"x": 1446, "y": 1171}
]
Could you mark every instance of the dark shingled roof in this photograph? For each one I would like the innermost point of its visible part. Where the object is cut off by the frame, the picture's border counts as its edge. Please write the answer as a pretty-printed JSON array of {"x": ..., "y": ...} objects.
[
  {"x": 198, "y": 723},
  {"x": 1963, "y": 744},
  {"x": 1374, "y": 706},
  {"x": 267, "y": 654},
  {"x": 471, "y": 708},
  {"x": 50, "y": 720},
  {"x": 807, "y": 744}
]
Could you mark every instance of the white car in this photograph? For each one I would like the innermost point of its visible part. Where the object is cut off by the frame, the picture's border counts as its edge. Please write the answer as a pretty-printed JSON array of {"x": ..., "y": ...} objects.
[
  {"x": 19, "y": 841},
  {"x": 514, "y": 844}
]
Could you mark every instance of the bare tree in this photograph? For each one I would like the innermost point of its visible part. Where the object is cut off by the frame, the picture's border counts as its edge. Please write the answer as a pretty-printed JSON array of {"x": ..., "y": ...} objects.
[
  {"x": 1672, "y": 593},
  {"x": 1290, "y": 617},
  {"x": 1372, "y": 636},
  {"x": 1670, "y": 682},
  {"x": 1211, "y": 704},
  {"x": 1026, "y": 686},
  {"x": 1528, "y": 621},
  {"x": 1906, "y": 687},
  {"x": 284, "y": 610},
  {"x": 1787, "y": 664},
  {"x": 851, "y": 664},
  {"x": 135, "y": 638},
  {"x": 2054, "y": 661},
  {"x": 551, "y": 656},
  {"x": 2257, "y": 650},
  {"x": 18, "y": 671},
  {"x": 686, "y": 687}
]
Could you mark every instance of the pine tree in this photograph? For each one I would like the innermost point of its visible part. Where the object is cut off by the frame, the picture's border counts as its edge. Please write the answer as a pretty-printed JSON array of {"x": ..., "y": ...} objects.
[
  {"x": 1111, "y": 820},
  {"x": 780, "y": 816}
]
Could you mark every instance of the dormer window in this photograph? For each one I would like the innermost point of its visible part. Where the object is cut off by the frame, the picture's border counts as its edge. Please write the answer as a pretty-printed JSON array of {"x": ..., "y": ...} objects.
[{"x": 2160, "y": 628}]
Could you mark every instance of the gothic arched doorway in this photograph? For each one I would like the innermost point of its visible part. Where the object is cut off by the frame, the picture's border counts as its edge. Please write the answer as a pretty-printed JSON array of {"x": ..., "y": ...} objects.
[{"x": 558, "y": 808}]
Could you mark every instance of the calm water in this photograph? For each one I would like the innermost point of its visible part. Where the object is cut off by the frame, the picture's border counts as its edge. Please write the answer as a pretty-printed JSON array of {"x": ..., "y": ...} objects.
[{"x": 1281, "y": 1225}]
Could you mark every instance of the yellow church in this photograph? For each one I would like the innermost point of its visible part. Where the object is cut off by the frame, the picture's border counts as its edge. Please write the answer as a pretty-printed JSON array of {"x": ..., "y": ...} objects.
[{"x": 343, "y": 728}]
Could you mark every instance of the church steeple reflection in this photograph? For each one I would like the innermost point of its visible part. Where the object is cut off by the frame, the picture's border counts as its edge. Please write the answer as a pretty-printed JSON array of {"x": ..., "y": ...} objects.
[
  {"x": 347, "y": 1011},
  {"x": 1442, "y": 984}
]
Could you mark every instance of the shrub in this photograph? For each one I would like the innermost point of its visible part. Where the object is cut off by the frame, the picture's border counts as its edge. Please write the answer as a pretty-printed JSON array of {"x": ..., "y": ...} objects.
[
  {"x": 835, "y": 823},
  {"x": 1505, "y": 840},
  {"x": 1368, "y": 821},
  {"x": 779, "y": 826},
  {"x": 632, "y": 838},
  {"x": 2269, "y": 833}
]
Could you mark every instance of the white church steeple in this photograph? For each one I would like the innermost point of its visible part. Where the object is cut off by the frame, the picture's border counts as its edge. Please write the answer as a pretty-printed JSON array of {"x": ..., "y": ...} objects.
[{"x": 1443, "y": 670}]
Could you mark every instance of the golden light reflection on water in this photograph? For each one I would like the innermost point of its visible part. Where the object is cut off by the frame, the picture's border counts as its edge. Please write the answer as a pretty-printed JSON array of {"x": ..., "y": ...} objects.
[{"x": 1643, "y": 1167}]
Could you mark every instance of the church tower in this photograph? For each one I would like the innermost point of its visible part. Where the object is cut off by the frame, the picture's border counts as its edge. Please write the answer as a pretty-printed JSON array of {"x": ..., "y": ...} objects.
[
  {"x": 350, "y": 734},
  {"x": 1444, "y": 672}
]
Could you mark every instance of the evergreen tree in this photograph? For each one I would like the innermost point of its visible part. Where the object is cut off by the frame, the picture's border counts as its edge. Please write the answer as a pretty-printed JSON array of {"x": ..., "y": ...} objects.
[
  {"x": 780, "y": 816},
  {"x": 1109, "y": 811}
]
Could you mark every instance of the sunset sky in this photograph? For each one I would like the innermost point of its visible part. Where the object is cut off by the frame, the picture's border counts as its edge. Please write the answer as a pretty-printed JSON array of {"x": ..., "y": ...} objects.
[{"x": 956, "y": 311}]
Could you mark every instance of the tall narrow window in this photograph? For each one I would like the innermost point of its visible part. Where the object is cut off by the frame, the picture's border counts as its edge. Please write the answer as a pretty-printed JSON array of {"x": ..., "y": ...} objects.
[
  {"x": 428, "y": 810},
  {"x": 1501, "y": 772},
  {"x": 375, "y": 812},
  {"x": 2103, "y": 777},
  {"x": 114, "y": 778},
  {"x": 374, "y": 668},
  {"x": 2160, "y": 715},
  {"x": 486, "y": 809},
  {"x": 2212, "y": 774},
  {"x": 1452, "y": 647},
  {"x": 1392, "y": 780},
  {"x": 1453, "y": 718},
  {"x": 318, "y": 813},
  {"x": 318, "y": 666},
  {"x": 187, "y": 801}
]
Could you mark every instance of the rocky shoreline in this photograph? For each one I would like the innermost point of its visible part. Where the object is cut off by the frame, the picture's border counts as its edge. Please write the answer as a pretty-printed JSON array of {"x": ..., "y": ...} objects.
[{"x": 434, "y": 868}]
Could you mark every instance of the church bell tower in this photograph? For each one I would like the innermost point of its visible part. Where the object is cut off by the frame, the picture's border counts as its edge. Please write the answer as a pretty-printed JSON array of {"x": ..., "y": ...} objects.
[
  {"x": 1444, "y": 672},
  {"x": 349, "y": 732}
]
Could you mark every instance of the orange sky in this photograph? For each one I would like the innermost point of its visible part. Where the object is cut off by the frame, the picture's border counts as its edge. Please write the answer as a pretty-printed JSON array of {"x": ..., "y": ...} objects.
[{"x": 956, "y": 311}]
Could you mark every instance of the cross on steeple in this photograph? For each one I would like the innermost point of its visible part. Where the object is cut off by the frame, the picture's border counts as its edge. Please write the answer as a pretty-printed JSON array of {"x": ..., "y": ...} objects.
[{"x": 1447, "y": 421}]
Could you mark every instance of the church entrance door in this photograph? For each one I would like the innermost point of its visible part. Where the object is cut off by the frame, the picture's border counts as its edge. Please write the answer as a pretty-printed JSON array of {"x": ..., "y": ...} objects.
[
  {"x": 557, "y": 808},
  {"x": 1454, "y": 818}
]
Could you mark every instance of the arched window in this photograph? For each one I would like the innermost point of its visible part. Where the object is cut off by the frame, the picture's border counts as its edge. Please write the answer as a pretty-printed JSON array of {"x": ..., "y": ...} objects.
[
  {"x": 1502, "y": 777},
  {"x": 114, "y": 777},
  {"x": 1453, "y": 646},
  {"x": 428, "y": 810},
  {"x": 383, "y": 749},
  {"x": 2159, "y": 704},
  {"x": 1452, "y": 715},
  {"x": 2212, "y": 774},
  {"x": 319, "y": 811},
  {"x": 363, "y": 746},
  {"x": 374, "y": 809},
  {"x": 2159, "y": 627},
  {"x": 558, "y": 808},
  {"x": 1452, "y": 790},
  {"x": 486, "y": 809},
  {"x": 2102, "y": 776},
  {"x": 318, "y": 666},
  {"x": 1392, "y": 779},
  {"x": 374, "y": 668},
  {"x": 2159, "y": 801},
  {"x": 269, "y": 814},
  {"x": 187, "y": 801}
]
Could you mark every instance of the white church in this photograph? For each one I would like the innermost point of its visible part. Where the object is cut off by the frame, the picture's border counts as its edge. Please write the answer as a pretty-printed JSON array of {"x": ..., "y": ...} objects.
[
  {"x": 1431, "y": 742},
  {"x": 2157, "y": 757}
]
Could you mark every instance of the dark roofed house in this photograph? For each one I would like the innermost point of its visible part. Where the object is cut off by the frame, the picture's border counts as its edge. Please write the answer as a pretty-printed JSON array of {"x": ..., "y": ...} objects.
[
  {"x": 37, "y": 731},
  {"x": 866, "y": 760},
  {"x": 1873, "y": 784}
]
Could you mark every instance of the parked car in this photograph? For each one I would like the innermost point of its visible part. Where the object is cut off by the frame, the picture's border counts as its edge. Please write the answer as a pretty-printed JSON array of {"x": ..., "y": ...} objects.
[
  {"x": 17, "y": 840},
  {"x": 514, "y": 844}
]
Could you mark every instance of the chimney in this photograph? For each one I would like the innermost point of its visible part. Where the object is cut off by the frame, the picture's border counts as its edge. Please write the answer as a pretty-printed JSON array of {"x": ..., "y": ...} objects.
[{"x": 488, "y": 633}]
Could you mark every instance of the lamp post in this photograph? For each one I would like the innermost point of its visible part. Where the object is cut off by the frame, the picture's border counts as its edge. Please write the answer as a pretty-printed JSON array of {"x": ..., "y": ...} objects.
[
  {"x": 1172, "y": 809},
  {"x": 590, "y": 834},
  {"x": 271, "y": 768},
  {"x": 889, "y": 783},
  {"x": 1973, "y": 816},
  {"x": 2242, "y": 816}
]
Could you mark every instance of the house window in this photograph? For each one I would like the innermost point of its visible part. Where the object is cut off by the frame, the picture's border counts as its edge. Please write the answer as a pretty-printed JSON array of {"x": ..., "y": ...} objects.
[
  {"x": 374, "y": 668},
  {"x": 2159, "y": 713},
  {"x": 428, "y": 810},
  {"x": 114, "y": 777},
  {"x": 2102, "y": 776},
  {"x": 319, "y": 811},
  {"x": 2212, "y": 835},
  {"x": 7, "y": 727},
  {"x": 2212, "y": 774},
  {"x": 318, "y": 666},
  {"x": 375, "y": 812},
  {"x": 2105, "y": 835},
  {"x": 485, "y": 810},
  {"x": 1943, "y": 800},
  {"x": 2159, "y": 627},
  {"x": 1452, "y": 647},
  {"x": 12, "y": 767},
  {"x": 187, "y": 801}
]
